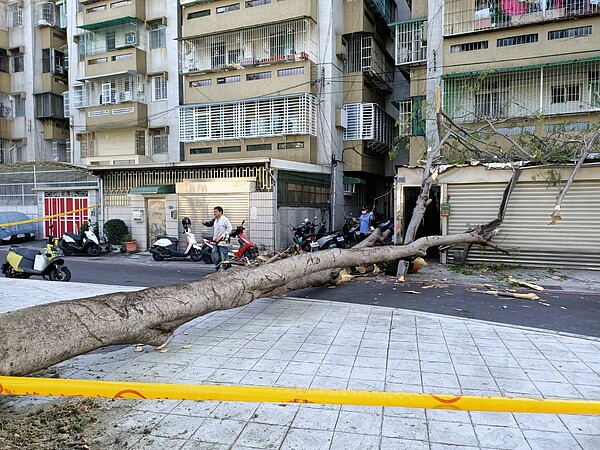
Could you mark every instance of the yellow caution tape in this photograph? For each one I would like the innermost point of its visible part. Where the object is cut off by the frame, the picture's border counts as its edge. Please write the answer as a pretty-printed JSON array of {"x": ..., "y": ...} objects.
[
  {"x": 113, "y": 389},
  {"x": 39, "y": 219}
]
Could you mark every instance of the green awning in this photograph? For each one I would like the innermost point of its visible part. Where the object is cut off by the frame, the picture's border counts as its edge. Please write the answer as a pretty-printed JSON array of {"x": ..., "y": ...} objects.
[
  {"x": 109, "y": 23},
  {"x": 353, "y": 180},
  {"x": 153, "y": 189}
]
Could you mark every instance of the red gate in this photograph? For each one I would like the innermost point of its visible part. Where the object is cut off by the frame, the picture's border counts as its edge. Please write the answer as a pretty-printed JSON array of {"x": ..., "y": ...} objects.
[{"x": 67, "y": 222}]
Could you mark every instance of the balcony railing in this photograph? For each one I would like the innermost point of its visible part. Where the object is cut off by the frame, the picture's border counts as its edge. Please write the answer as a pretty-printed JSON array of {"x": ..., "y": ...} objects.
[
  {"x": 107, "y": 91},
  {"x": 551, "y": 89},
  {"x": 411, "y": 46},
  {"x": 101, "y": 37},
  {"x": 383, "y": 8},
  {"x": 405, "y": 117},
  {"x": 366, "y": 55},
  {"x": 277, "y": 116},
  {"x": 248, "y": 47},
  {"x": 464, "y": 16},
  {"x": 369, "y": 122}
]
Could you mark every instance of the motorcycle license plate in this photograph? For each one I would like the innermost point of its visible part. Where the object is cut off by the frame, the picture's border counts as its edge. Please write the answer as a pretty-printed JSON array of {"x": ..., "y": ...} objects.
[
  {"x": 21, "y": 235},
  {"x": 340, "y": 239},
  {"x": 314, "y": 244}
]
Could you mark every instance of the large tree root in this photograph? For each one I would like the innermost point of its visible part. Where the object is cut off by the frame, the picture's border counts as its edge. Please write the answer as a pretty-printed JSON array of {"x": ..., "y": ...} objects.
[{"x": 37, "y": 337}]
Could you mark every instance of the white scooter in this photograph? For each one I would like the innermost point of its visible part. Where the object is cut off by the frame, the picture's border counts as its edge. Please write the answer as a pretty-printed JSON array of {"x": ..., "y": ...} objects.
[
  {"x": 167, "y": 246},
  {"x": 75, "y": 243}
]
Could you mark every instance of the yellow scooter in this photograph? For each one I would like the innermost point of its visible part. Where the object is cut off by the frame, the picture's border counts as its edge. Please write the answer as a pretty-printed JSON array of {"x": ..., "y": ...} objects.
[{"x": 25, "y": 262}]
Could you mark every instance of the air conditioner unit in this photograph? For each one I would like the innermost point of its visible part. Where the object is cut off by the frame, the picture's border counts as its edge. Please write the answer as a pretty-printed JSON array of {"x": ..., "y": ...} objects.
[
  {"x": 130, "y": 38},
  {"x": 125, "y": 96},
  {"x": 59, "y": 69}
]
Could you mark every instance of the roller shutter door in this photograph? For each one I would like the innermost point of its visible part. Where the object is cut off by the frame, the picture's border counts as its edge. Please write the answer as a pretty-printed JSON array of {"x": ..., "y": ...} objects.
[
  {"x": 199, "y": 207},
  {"x": 574, "y": 241}
]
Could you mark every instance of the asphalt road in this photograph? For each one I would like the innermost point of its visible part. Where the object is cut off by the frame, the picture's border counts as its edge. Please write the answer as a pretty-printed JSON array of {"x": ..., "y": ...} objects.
[{"x": 569, "y": 312}]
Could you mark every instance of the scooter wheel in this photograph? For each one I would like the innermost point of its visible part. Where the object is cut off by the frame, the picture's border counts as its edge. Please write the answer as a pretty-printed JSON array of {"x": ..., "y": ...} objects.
[
  {"x": 195, "y": 254},
  {"x": 60, "y": 274},
  {"x": 251, "y": 254},
  {"x": 207, "y": 257},
  {"x": 94, "y": 250},
  {"x": 157, "y": 257}
]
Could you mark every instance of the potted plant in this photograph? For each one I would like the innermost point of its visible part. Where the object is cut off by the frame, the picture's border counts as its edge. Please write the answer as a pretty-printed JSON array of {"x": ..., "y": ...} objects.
[{"x": 130, "y": 243}]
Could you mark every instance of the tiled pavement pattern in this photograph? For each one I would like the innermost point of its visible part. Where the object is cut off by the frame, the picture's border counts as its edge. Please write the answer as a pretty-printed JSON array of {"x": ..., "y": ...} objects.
[{"x": 303, "y": 343}]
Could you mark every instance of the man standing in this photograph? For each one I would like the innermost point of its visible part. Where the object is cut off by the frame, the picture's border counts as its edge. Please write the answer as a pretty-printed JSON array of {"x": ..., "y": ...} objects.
[
  {"x": 222, "y": 229},
  {"x": 365, "y": 222}
]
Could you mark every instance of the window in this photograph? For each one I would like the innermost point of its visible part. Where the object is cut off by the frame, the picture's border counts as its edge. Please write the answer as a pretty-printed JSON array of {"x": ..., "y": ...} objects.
[
  {"x": 229, "y": 149},
  {"x": 563, "y": 94},
  {"x": 224, "y": 9},
  {"x": 159, "y": 88},
  {"x": 159, "y": 138},
  {"x": 108, "y": 93},
  {"x": 17, "y": 63},
  {"x": 258, "y": 147},
  {"x": 490, "y": 100},
  {"x": 15, "y": 15},
  {"x": 121, "y": 57},
  {"x": 140, "y": 142},
  {"x": 594, "y": 81},
  {"x": 227, "y": 80},
  {"x": 49, "y": 105},
  {"x": 469, "y": 47},
  {"x": 111, "y": 42},
  {"x": 282, "y": 44},
  {"x": 200, "y": 150},
  {"x": 567, "y": 127},
  {"x": 87, "y": 144},
  {"x": 292, "y": 71},
  {"x": 197, "y": 14},
  {"x": 570, "y": 33},
  {"x": 53, "y": 61},
  {"x": 6, "y": 111},
  {"x": 218, "y": 54},
  {"x": 4, "y": 61},
  {"x": 253, "y": 3},
  {"x": 158, "y": 35},
  {"x": 303, "y": 189},
  {"x": 199, "y": 83},
  {"x": 19, "y": 103},
  {"x": 289, "y": 145},
  {"x": 120, "y": 4},
  {"x": 517, "y": 40},
  {"x": 258, "y": 76}
]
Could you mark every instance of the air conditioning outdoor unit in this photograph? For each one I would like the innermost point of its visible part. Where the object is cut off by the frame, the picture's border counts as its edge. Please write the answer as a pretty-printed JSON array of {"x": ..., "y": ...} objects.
[
  {"x": 130, "y": 38},
  {"x": 59, "y": 69}
]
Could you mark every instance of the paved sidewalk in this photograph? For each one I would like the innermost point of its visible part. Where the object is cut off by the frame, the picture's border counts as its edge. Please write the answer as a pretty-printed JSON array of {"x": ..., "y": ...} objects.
[{"x": 310, "y": 343}]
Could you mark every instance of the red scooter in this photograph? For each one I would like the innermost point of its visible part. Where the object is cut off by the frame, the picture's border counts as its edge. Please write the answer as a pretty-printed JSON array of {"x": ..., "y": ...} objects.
[{"x": 247, "y": 249}]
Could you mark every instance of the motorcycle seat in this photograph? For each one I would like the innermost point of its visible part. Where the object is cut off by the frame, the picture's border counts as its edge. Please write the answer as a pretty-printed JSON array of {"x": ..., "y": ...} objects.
[
  {"x": 26, "y": 253},
  {"x": 171, "y": 238},
  {"x": 74, "y": 236},
  {"x": 206, "y": 236}
]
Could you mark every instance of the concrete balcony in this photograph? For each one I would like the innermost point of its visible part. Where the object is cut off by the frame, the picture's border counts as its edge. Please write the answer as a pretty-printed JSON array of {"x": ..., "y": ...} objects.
[
  {"x": 6, "y": 128},
  {"x": 123, "y": 115},
  {"x": 129, "y": 59},
  {"x": 57, "y": 130},
  {"x": 105, "y": 11},
  {"x": 53, "y": 38},
  {"x": 54, "y": 83},
  {"x": 117, "y": 160},
  {"x": 207, "y": 18},
  {"x": 5, "y": 84}
]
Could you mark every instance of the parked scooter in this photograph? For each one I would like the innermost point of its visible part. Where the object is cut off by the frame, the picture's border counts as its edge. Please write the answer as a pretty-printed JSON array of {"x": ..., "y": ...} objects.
[
  {"x": 75, "y": 243},
  {"x": 247, "y": 248},
  {"x": 168, "y": 246},
  {"x": 304, "y": 236},
  {"x": 25, "y": 262}
]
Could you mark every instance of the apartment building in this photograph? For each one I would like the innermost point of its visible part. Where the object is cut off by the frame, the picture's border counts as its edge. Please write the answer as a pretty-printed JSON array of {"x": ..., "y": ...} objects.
[
  {"x": 275, "y": 110},
  {"x": 531, "y": 68}
]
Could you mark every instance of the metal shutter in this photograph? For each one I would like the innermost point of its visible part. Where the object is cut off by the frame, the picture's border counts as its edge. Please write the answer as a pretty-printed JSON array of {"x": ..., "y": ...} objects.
[{"x": 573, "y": 242}]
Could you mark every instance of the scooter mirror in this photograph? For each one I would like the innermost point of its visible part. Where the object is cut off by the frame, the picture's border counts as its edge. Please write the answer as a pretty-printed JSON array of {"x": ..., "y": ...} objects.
[{"x": 306, "y": 220}]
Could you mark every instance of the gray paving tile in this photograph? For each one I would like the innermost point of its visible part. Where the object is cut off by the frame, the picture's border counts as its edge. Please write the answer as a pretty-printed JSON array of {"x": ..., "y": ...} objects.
[
  {"x": 504, "y": 419},
  {"x": 404, "y": 428},
  {"x": 357, "y": 422},
  {"x": 331, "y": 370},
  {"x": 353, "y": 441},
  {"x": 578, "y": 424},
  {"x": 453, "y": 433},
  {"x": 540, "y": 422},
  {"x": 315, "y": 419},
  {"x": 388, "y": 443},
  {"x": 500, "y": 437},
  {"x": 588, "y": 442},
  {"x": 446, "y": 415},
  {"x": 234, "y": 411},
  {"x": 294, "y": 380},
  {"x": 257, "y": 378},
  {"x": 261, "y": 435},
  {"x": 300, "y": 439},
  {"x": 553, "y": 376},
  {"x": 176, "y": 427},
  {"x": 585, "y": 378},
  {"x": 158, "y": 443},
  {"x": 194, "y": 408},
  {"x": 227, "y": 376},
  {"x": 302, "y": 368},
  {"x": 368, "y": 373},
  {"x": 544, "y": 440},
  {"x": 443, "y": 380},
  {"x": 363, "y": 361},
  {"x": 275, "y": 414},
  {"x": 557, "y": 390},
  {"x": 199, "y": 445},
  {"x": 218, "y": 431},
  {"x": 474, "y": 382},
  {"x": 323, "y": 382}
]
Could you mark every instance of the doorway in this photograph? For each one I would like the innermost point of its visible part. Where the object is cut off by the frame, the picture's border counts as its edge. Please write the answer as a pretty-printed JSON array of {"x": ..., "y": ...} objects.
[
  {"x": 430, "y": 225},
  {"x": 157, "y": 218}
]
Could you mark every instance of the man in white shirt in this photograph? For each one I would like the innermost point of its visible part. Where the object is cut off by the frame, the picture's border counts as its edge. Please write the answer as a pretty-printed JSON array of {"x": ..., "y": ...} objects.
[{"x": 222, "y": 229}]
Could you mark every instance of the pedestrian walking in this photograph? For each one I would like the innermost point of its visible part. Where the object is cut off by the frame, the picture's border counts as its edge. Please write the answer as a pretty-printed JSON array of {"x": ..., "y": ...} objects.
[{"x": 222, "y": 229}]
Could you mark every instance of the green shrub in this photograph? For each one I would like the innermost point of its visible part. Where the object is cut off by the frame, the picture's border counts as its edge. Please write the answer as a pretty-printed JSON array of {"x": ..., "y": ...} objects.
[
  {"x": 85, "y": 226},
  {"x": 115, "y": 231},
  {"x": 389, "y": 267}
]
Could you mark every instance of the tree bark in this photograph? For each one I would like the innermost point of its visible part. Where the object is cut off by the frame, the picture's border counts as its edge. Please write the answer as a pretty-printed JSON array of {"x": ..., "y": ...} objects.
[{"x": 35, "y": 338}]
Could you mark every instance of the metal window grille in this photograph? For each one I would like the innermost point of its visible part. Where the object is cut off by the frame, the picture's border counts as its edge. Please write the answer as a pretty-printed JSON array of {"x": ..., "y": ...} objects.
[
  {"x": 47, "y": 14},
  {"x": 15, "y": 15},
  {"x": 158, "y": 35},
  {"x": 248, "y": 47},
  {"x": 464, "y": 16},
  {"x": 289, "y": 72},
  {"x": 19, "y": 105},
  {"x": 6, "y": 106},
  {"x": 411, "y": 46},
  {"x": 369, "y": 122},
  {"x": 405, "y": 117},
  {"x": 567, "y": 88},
  {"x": 117, "y": 184},
  {"x": 18, "y": 63},
  {"x": 129, "y": 34},
  {"x": 366, "y": 55},
  {"x": 87, "y": 144},
  {"x": 160, "y": 141},
  {"x": 159, "y": 88},
  {"x": 117, "y": 89},
  {"x": 276, "y": 116},
  {"x": 140, "y": 142}
]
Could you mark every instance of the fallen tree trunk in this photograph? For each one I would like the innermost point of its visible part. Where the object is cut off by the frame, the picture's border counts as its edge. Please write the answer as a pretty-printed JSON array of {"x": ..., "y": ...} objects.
[{"x": 37, "y": 337}]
